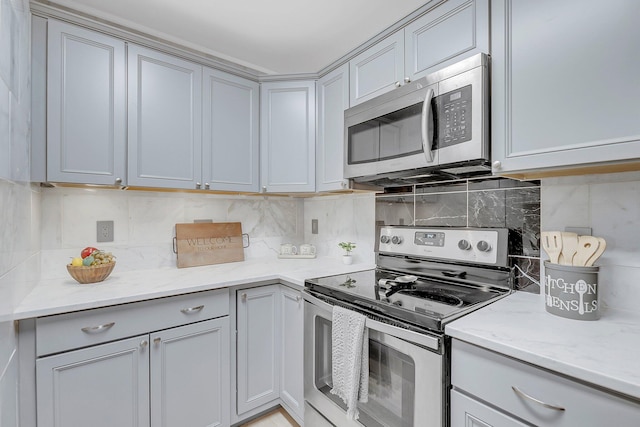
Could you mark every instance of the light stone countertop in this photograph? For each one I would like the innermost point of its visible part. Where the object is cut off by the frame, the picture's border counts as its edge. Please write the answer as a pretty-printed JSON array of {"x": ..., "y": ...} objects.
[
  {"x": 62, "y": 295},
  {"x": 603, "y": 352}
]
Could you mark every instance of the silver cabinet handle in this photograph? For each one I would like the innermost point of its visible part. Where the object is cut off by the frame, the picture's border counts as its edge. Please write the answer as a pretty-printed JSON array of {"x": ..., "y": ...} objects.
[
  {"x": 533, "y": 399},
  {"x": 198, "y": 185},
  {"x": 192, "y": 310},
  {"x": 97, "y": 329},
  {"x": 144, "y": 343},
  {"x": 243, "y": 296},
  {"x": 298, "y": 298},
  {"x": 427, "y": 143},
  {"x": 407, "y": 80},
  {"x": 156, "y": 341},
  {"x": 398, "y": 84},
  {"x": 497, "y": 165},
  {"x": 118, "y": 180},
  {"x": 206, "y": 185}
]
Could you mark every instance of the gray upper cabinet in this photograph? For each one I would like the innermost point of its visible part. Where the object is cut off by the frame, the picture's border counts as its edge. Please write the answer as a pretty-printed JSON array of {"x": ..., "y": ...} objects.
[
  {"x": 165, "y": 120},
  {"x": 332, "y": 99},
  {"x": 230, "y": 150},
  {"x": 565, "y": 84},
  {"x": 452, "y": 31},
  {"x": 447, "y": 33},
  {"x": 86, "y": 106},
  {"x": 287, "y": 136},
  {"x": 377, "y": 70}
]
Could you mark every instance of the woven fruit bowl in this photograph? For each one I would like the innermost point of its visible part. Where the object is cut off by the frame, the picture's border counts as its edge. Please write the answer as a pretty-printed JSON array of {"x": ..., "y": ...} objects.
[{"x": 93, "y": 274}]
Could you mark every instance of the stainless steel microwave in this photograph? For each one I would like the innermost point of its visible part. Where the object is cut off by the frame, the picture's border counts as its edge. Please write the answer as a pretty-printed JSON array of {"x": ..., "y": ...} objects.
[{"x": 436, "y": 125}]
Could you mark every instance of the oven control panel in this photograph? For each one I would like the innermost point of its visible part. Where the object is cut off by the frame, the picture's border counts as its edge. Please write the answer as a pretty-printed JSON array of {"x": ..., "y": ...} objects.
[{"x": 476, "y": 245}]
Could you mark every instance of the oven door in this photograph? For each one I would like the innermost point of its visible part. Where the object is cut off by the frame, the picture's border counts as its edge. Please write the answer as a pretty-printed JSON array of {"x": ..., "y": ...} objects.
[{"x": 406, "y": 374}]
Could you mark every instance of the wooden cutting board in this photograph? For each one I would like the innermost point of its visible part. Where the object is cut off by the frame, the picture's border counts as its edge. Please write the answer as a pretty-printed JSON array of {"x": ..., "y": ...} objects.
[{"x": 208, "y": 243}]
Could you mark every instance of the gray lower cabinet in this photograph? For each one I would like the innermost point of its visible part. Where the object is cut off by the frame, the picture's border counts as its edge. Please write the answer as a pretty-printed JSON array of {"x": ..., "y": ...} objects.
[
  {"x": 258, "y": 364},
  {"x": 102, "y": 386},
  {"x": 164, "y": 120},
  {"x": 332, "y": 99},
  {"x": 269, "y": 350},
  {"x": 230, "y": 132},
  {"x": 86, "y": 106},
  {"x": 287, "y": 136},
  {"x": 565, "y": 85},
  {"x": 493, "y": 390},
  {"x": 176, "y": 375},
  {"x": 291, "y": 350}
]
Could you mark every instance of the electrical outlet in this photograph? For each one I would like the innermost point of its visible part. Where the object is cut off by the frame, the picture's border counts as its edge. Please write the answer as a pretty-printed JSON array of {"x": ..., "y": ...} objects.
[
  {"x": 104, "y": 231},
  {"x": 314, "y": 226}
]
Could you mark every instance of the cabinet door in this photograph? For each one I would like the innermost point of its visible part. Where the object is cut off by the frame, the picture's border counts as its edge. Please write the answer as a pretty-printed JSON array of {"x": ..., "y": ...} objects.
[
  {"x": 86, "y": 106},
  {"x": 377, "y": 70},
  {"x": 257, "y": 348},
  {"x": 565, "y": 83},
  {"x": 101, "y": 386},
  {"x": 452, "y": 31},
  {"x": 230, "y": 150},
  {"x": 190, "y": 375},
  {"x": 165, "y": 106},
  {"x": 287, "y": 135},
  {"x": 291, "y": 350},
  {"x": 467, "y": 412},
  {"x": 333, "y": 99}
]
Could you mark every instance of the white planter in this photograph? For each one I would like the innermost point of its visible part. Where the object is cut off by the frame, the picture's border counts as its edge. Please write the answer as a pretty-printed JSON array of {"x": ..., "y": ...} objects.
[{"x": 347, "y": 259}]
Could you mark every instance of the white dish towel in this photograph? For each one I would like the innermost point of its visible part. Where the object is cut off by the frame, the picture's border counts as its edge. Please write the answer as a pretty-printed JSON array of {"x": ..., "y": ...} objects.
[{"x": 350, "y": 358}]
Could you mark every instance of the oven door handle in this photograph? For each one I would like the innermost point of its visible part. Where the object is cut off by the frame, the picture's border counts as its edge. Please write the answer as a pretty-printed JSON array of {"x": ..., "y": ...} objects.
[{"x": 418, "y": 338}]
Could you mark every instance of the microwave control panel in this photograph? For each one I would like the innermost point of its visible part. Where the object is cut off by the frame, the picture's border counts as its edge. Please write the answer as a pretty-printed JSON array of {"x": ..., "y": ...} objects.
[{"x": 454, "y": 123}]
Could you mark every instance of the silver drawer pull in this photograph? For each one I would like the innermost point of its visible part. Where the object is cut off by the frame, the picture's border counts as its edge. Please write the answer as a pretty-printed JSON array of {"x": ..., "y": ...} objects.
[
  {"x": 533, "y": 399},
  {"x": 192, "y": 309},
  {"x": 97, "y": 329}
]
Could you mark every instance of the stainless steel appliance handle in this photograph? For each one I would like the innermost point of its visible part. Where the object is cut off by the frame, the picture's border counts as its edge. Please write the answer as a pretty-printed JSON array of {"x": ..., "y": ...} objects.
[
  {"x": 533, "y": 399},
  {"x": 384, "y": 328},
  {"x": 426, "y": 126}
]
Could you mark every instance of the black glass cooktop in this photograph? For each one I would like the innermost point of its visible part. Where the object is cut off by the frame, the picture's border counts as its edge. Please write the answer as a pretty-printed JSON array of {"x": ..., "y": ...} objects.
[{"x": 427, "y": 302}]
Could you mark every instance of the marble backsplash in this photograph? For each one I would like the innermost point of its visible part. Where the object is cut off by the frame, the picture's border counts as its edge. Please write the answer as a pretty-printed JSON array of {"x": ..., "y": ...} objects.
[
  {"x": 609, "y": 204},
  {"x": 485, "y": 202},
  {"x": 144, "y": 223}
]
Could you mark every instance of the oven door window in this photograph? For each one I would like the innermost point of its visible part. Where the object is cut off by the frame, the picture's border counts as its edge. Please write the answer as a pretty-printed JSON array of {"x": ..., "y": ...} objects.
[
  {"x": 391, "y": 380},
  {"x": 393, "y": 135}
]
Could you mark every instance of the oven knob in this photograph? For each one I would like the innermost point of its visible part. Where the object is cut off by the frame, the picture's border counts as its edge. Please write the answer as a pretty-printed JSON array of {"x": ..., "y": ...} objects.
[
  {"x": 464, "y": 245},
  {"x": 396, "y": 240},
  {"x": 384, "y": 239},
  {"x": 483, "y": 246}
]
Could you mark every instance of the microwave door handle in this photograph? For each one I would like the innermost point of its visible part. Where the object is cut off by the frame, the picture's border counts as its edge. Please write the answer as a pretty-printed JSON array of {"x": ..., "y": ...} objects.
[{"x": 427, "y": 127}]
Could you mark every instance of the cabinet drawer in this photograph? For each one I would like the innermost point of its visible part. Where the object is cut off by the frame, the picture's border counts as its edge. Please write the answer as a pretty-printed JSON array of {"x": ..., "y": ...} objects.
[
  {"x": 504, "y": 383},
  {"x": 80, "y": 329},
  {"x": 472, "y": 413}
]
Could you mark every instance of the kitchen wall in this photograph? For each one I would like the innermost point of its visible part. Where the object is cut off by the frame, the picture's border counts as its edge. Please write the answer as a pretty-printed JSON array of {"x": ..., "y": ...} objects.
[
  {"x": 19, "y": 201},
  {"x": 484, "y": 202},
  {"x": 144, "y": 223},
  {"x": 342, "y": 218},
  {"x": 610, "y": 206}
]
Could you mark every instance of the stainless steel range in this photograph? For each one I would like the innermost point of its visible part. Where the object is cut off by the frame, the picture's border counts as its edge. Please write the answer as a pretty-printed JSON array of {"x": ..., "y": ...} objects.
[{"x": 425, "y": 278}]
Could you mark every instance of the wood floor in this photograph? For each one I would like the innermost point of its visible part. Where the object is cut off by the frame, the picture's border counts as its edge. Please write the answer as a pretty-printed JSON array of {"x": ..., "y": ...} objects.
[{"x": 275, "y": 418}]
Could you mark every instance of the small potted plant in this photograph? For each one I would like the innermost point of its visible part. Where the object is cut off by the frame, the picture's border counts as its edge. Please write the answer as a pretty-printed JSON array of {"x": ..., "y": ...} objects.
[{"x": 348, "y": 247}]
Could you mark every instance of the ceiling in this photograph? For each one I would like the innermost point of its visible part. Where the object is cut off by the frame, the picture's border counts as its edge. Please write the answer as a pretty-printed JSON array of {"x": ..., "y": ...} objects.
[{"x": 272, "y": 37}]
